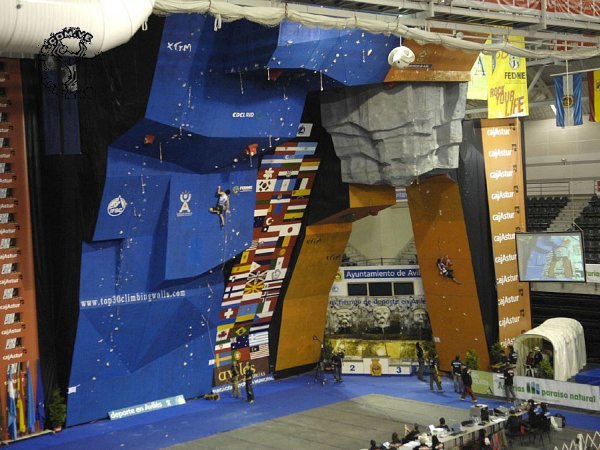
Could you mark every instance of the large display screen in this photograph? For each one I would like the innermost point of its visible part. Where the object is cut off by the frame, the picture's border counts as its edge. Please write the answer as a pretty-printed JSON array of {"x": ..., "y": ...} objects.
[{"x": 550, "y": 256}]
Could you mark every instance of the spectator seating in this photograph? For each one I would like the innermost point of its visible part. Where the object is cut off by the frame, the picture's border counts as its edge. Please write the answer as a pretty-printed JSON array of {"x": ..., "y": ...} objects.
[
  {"x": 541, "y": 211},
  {"x": 589, "y": 222}
]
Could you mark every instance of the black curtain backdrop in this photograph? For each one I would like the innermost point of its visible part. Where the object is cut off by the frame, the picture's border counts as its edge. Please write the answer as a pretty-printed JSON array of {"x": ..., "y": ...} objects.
[
  {"x": 471, "y": 181},
  {"x": 66, "y": 190}
]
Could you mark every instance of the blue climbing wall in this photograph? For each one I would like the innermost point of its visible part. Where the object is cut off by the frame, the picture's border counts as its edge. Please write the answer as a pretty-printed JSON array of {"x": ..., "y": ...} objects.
[{"x": 152, "y": 285}]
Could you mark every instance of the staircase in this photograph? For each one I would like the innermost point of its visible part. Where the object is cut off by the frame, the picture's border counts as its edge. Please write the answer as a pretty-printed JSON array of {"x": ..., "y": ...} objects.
[
  {"x": 408, "y": 255},
  {"x": 353, "y": 256},
  {"x": 564, "y": 220}
]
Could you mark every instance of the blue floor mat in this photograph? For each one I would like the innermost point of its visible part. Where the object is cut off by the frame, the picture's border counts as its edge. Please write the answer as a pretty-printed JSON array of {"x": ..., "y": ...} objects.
[{"x": 200, "y": 418}]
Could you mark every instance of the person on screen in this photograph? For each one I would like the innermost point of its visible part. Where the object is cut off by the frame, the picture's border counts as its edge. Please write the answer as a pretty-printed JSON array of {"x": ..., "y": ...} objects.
[{"x": 560, "y": 255}]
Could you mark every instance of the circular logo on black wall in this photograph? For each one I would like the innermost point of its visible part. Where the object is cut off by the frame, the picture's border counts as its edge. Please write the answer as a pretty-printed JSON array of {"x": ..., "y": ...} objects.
[{"x": 58, "y": 53}]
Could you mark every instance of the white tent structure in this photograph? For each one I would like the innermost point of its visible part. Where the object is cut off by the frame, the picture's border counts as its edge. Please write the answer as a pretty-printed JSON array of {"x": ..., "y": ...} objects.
[{"x": 567, "y": 341}]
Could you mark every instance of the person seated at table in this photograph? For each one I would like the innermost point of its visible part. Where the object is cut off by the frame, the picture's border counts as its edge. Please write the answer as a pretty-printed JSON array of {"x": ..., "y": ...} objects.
[
  {"x": 373, "y": 445},
  {"x": 513, "y": 424},
  {"x": 423, "y": 443},
  {"x": 436, "y": 444},
  {"x": 442, "y": 424},
  {"x": 412, "y": 435},
  {"x": 395, "y": 439}
]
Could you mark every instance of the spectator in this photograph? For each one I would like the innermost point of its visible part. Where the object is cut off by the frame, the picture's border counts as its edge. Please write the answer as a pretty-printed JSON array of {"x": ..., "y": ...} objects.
[
  {"x": 513, "y": 424},
  {"x": 509, "y": 389},
  {"x": 373, "y": 445},
  {"x": 442, "y": 424},
  {"x": 434, "y": 372},
  {"x": 512, "y": 355},
  {"x": 412, "y": 435},
  {"x": 456, "y": 374},
  {"x": 467, "y": 383}
]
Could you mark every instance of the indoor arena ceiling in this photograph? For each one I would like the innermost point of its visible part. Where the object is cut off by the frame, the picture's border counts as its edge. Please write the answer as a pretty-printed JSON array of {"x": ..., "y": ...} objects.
[{"x": 560, "y": 30}]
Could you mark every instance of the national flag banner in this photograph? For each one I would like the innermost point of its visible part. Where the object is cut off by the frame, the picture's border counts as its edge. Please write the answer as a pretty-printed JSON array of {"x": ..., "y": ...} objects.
[
  {"x": 239, "y": 342},
  {"x": 223, "y": 347},
  {"x": 297, "y": 215},
  {"x": 20, "y": 402},
  {"x": 246, "y": 312},
  {"x": 253, "y": 287},
  {"x": 30, "y": 403},
  {"x": 594, "y": 95},
  {"x": 260, "y": 213},
  {"x": 266, "y": 309},
  {"x": 241, "y": 354},
  {"x": 308, "y": 166},
  {"x": 228, "y": 315},
  {"x": 267, "y": 174},
  {"x": 281, "y": 198},
  {"x": 262, "y": 337},
  {"x": 301, "y": 193},
  {"x": 273, "y": 285},
  {"x": 306, "y": 149},
  {"x": 289, "y": 174},
  {"x": 40, "y": 403},
  {"x": 567, "y": 93},
  {"x": 285, "y": 185},
  {"x": 222, "y": 359},
  {"x": 289, "y": 229},
  {"x": 257, "y": 328},
  {"x": 265, "y": 185},
  {"x": 223, "y": 332},
  {"x": 281, "y": 160},
  {"x": 11, "y": 423},
  {"x": 259, "y": 351},
  {"x": 240, "y": 268},
  {"x": 298, "y": 205},
  {"x": 241, "y": 330},
  {"x": 276, "y": 275}
]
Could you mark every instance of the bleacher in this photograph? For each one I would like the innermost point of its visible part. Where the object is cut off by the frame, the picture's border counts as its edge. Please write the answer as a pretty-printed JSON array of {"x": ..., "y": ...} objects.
[
  {"x": 541, "y": 211},
  {"x": 589, "y": 222}
]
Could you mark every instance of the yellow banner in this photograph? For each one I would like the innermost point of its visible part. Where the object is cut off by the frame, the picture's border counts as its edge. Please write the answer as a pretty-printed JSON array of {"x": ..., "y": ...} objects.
[
  {"x": 507, "y": 84},
  {"x": 596, "y": 100},
  {"x": 478, "y": 86}
]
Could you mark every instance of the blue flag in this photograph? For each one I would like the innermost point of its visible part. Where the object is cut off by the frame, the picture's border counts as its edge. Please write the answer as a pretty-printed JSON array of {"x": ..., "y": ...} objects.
[
  {"x": 40, "y": 404},
  {"x": 30, "y": 403},
  {"x": 567, "y": 93},
  {"x": 12, "y": 406}
]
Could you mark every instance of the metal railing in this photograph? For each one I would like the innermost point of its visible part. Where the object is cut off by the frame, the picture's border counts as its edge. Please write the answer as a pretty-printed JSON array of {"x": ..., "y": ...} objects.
[{"x": 549, "y": 189}]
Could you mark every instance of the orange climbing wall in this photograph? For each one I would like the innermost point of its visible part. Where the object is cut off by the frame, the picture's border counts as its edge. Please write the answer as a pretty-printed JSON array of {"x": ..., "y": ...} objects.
[
  {"x": 439, "y": 229},
  {"x": 363, "y": 200},
  {"x": 305, "y": 304},
  {"x": 306, "y": 299}
]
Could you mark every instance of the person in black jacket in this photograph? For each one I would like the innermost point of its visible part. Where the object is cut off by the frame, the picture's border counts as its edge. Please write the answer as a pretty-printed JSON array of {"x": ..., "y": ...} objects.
[
  {"x": 509, "y": 388},
  {"x": 412, "y": 435},
  {"x": 467, "y": 383},
  {"x": 434, "y": 372},
  {"x": 337, "y": 359},
  {"x": 249, "y": 389},
  {"x": 456, "y": 374}
]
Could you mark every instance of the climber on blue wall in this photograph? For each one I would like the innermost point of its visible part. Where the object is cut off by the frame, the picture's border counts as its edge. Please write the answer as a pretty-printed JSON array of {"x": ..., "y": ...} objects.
[{"x": 222, "y": 205}]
